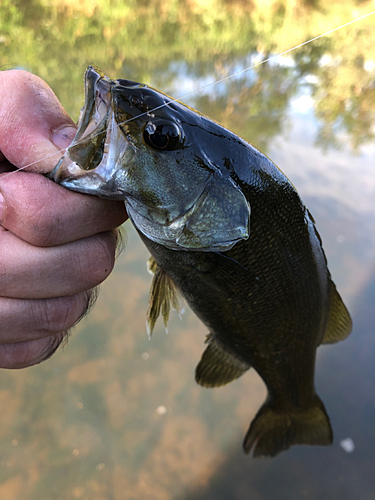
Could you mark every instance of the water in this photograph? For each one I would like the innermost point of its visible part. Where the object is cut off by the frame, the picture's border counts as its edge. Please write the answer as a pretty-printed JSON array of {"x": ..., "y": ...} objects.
[{"x": 114, "y": 415}]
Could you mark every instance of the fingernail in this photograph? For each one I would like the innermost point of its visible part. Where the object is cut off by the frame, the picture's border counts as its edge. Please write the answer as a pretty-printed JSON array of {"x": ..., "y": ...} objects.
[
  {"x": 63, "y": 136},
  {"x": 1, "y": 208}
]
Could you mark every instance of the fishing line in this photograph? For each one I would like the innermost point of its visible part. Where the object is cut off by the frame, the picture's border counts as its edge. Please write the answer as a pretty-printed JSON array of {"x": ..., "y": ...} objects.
[{"x": 210, "y": 84}]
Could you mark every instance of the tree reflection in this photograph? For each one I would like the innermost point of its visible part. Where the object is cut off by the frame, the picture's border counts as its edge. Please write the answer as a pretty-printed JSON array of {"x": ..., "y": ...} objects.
[
  {"x": 147, "y": 41},
  {"x": 255, "y": 109}
]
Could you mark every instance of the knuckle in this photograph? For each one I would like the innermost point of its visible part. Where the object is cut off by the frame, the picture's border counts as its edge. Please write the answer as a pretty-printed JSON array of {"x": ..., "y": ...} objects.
[
  {"x": 101, "y": 257},
  {"x": 59, "y": 314},
  {"x": 51, "y": 347},
  {"x": 44, "y": 230},
  {"x": 28, "y": 353},
  {"x": 29, "y": 209}
]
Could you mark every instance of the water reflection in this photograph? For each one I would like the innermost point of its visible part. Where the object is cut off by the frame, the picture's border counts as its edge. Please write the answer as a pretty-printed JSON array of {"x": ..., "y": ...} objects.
[
  {"x": 91, "y": 422},
  {"x": 346, "y": 378}
]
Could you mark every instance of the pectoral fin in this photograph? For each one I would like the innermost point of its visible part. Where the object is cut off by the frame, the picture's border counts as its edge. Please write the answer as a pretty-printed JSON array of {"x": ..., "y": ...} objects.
[
  {"x": 163, "y": 296},
  {"x": 218, "y": 366},
  {"x": 224, "y": 274},
  {"x": 339, "y": 323}
]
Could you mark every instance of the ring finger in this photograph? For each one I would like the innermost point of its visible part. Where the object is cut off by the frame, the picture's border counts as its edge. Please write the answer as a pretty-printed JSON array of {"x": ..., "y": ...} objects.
[{"x": 31, "y": 330}]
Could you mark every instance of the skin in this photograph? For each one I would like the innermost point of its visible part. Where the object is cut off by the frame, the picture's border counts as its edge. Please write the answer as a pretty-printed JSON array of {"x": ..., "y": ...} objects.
[{"x": 55, "y": 245}]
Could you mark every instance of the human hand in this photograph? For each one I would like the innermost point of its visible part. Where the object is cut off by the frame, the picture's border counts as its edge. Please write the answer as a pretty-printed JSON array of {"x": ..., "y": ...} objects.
[{"x": 55, "y": 245}]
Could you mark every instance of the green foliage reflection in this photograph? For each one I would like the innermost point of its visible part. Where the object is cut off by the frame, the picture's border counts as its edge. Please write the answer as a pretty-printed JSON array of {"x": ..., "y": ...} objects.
[{"x": 143, "y": 41}]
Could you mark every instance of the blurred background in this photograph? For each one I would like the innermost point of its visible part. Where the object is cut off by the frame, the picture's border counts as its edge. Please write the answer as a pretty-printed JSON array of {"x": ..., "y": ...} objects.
[{"x": 114, "y": 415}]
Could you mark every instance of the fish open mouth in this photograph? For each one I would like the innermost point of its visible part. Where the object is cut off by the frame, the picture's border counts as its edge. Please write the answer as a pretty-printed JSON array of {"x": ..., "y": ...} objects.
[
  {"x": 170, "y": 206},
  {"x": 94, "y": 159}
]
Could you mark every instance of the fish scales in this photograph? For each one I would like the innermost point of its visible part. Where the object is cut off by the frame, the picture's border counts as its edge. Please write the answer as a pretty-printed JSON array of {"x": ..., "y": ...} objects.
[
  {"x": 252, "y": 320},
  {"x": 227, "y": 229}
]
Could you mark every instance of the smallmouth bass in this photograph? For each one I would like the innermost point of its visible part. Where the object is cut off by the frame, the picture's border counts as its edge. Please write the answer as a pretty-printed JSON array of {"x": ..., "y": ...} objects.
[{"x": 225, "y": 228}]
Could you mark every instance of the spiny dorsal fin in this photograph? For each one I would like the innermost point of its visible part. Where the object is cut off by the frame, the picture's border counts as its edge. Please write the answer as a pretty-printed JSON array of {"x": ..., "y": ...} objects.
[
  {"x": 339, "y": 323},
  {"x": 218, "y": 366},
  {"x": 163, "y": 296}
]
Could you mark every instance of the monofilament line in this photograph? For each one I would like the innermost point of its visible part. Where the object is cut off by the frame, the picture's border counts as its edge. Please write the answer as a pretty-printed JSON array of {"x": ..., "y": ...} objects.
[
  {"x": 233, "y": 75},
  {"x": 273, "y": 57}
]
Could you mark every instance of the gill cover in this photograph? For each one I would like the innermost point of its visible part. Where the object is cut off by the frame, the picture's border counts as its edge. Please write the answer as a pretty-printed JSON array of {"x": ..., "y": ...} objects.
[{"x": 134, "y": 143}]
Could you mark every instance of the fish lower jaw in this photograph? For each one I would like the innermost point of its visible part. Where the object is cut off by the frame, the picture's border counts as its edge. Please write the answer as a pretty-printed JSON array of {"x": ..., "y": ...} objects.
[{"x": 94, "y": 185}]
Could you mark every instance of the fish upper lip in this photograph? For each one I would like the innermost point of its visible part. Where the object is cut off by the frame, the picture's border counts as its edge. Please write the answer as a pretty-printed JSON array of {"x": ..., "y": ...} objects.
[
  {"x": 97, "y": 116},
  {"x": 96, "y": 85}
]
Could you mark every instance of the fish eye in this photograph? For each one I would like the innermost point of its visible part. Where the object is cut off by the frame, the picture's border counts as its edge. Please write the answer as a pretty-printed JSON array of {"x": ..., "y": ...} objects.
[{"x": 162, "y": 135}]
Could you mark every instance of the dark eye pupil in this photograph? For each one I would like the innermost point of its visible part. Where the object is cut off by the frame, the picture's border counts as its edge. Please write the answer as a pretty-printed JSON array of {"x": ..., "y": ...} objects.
[
  {"x": 159, "y": 139},
  {"x": 164, "y": 136}
]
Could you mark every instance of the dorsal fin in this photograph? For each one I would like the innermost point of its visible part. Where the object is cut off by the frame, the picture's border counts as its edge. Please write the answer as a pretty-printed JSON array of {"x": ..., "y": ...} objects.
[
  {"x": 163, "y": 296},
  {"x": 339, "y": 324},
  {"x": 218, "y": 366}
]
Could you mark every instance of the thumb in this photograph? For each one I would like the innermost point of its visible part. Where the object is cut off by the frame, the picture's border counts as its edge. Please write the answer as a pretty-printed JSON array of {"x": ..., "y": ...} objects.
[{"x": 34, "y": 126}]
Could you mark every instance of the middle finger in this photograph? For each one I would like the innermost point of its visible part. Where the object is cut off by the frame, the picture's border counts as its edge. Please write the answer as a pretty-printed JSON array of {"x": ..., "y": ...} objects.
[
  {"x": 31, "y": 272},
  {"x": 26, "y": 320}
]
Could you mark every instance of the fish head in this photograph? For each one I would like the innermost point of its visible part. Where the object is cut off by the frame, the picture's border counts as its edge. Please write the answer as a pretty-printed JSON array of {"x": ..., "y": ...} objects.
[{"x": 136, "y": 144}]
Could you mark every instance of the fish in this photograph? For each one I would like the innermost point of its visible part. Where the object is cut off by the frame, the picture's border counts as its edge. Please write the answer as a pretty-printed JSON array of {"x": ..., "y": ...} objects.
[{"x": 228, "y": 231}]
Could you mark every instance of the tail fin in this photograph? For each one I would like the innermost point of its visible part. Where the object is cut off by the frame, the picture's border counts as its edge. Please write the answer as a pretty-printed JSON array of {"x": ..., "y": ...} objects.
[{"x": 272, "y": 431}]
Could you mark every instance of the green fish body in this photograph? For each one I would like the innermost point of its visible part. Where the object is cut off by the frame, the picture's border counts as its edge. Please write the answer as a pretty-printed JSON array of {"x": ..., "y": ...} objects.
[{"x": 227, "y": 229}]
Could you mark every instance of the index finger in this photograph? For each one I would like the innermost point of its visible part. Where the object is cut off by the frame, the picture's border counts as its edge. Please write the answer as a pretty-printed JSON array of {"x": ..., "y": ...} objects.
[{"x": 45, "y": 214}]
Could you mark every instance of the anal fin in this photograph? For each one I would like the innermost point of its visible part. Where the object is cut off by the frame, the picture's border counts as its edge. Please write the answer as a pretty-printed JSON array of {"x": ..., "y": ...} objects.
[
  {"x": 339, "y": 324},
  {"x": 218, "y": 366}
]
